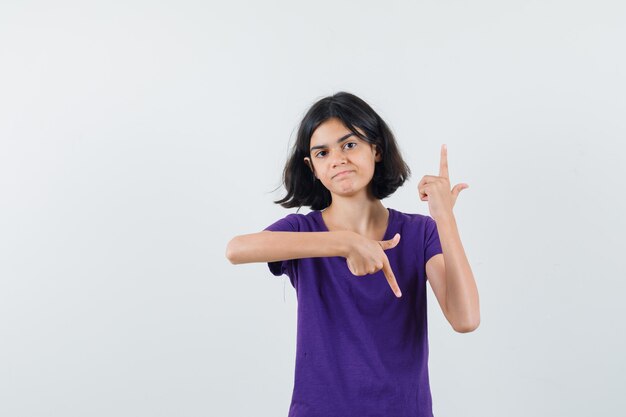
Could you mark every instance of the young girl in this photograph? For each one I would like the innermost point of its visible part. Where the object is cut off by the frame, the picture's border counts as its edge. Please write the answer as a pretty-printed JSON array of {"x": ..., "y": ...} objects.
[{"x": 360, "y": 269}]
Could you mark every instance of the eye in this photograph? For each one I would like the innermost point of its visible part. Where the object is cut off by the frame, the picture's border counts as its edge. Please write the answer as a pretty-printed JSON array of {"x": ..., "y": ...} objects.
[{"x": 317, "y": 155}]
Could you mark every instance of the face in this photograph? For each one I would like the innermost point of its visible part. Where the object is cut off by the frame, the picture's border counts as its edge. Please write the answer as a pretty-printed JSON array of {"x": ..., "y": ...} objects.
[{"x": 328, "y": 158}]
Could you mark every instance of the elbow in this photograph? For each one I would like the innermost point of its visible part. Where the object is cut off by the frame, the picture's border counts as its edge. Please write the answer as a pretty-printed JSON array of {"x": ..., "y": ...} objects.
[
  {"x": 231, "y": 251},
  {"x": 466, "y": 327}
]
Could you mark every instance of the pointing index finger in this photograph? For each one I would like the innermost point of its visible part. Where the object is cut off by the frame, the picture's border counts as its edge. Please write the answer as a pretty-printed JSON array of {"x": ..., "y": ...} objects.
[
  {"x": 391, "y": 278},
  {"x": 443, "y": 164}
]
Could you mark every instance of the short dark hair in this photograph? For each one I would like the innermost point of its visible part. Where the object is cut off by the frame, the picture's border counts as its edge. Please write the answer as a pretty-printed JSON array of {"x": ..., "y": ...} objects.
[{"x": 303, "y": 189}]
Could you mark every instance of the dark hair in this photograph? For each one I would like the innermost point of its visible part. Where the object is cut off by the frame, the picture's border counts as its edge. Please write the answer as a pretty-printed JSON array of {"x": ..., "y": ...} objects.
[{"x": 303, "y": 189}]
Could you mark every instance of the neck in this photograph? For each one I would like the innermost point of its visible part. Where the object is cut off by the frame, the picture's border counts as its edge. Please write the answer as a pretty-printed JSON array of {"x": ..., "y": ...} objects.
[{"x": 358, "y": 214}]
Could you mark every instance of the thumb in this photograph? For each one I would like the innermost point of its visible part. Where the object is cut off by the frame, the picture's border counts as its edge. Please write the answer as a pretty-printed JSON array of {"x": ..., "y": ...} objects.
[
  {"x": 391, "y": 243},
  {"x": 458, "y": 188}
]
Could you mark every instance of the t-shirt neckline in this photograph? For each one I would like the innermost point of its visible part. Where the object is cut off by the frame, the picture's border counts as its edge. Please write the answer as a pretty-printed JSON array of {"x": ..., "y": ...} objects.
[{"x": 387, "y": 231}]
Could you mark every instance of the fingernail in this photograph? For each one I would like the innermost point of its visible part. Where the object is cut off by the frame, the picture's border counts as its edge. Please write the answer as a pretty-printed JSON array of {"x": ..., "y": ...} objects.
[{"x": 399, "y": 294}]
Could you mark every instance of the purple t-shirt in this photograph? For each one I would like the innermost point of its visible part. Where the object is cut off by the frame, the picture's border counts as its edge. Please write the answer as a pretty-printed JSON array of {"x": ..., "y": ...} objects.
[{"x": 360, "y": 351}]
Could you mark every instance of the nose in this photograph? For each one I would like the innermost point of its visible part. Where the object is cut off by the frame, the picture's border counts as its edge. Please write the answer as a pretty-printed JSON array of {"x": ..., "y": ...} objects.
[{"x": 338, "y": 158}]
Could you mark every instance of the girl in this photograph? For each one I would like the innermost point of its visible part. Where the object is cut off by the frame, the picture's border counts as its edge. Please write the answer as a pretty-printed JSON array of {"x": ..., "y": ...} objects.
[{"x": 362, "y": 350}]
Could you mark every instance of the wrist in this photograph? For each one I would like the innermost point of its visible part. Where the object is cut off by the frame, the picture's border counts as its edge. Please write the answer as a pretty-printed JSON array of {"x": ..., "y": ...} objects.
[
  {"x": 342, "y": 242},
  {"x": 444, "y": 218}
]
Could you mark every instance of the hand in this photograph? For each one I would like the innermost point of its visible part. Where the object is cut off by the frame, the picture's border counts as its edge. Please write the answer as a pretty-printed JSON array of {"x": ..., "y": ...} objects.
[
  {"x": 366, "y": 256},
  {"x": 436, "y": 190}
]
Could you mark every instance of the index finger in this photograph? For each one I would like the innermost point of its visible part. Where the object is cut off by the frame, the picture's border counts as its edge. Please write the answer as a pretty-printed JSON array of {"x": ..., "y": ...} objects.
[
  {"x": 391, "y": 278},
  {"x": 443, "y": 164}
]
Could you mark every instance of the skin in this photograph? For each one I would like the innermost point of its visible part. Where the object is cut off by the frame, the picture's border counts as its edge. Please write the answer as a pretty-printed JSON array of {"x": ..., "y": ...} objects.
[
  {"x": 449, "y": 273},
  {"x": 353, "y": 207},
  {"x": 355, "y": 210}
]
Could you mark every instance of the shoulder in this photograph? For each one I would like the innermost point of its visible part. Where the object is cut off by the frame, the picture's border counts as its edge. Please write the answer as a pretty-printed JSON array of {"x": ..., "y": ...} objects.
[
  {"x": 421, "y": 232},
  {"x": 421, "y": 221},
  {"x": 297, "y": 222},
  {"x": 418, "y": 228}
]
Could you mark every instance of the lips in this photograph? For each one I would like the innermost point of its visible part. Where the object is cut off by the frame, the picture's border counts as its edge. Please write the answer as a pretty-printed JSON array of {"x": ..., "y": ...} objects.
[{"x": 341, "y": 173}]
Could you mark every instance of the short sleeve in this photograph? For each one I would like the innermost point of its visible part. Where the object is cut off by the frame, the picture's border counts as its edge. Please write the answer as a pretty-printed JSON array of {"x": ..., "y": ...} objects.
[
  {"x": 288, "y": 223},
  {"x": 432, "y": 245}
]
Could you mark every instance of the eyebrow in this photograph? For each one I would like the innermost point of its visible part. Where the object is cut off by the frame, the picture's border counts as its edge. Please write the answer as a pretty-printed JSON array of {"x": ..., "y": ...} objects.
[{"x": 341, "y": 139}]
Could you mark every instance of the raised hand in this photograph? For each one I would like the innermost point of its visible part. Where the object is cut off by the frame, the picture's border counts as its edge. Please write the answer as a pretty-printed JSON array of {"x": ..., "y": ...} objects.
[
  {"x": 366, "y": 256},
  {"x": 436, "y": 189}
]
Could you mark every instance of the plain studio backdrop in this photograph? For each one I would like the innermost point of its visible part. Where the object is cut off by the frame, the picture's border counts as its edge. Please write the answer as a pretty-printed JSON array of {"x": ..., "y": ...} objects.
[{"x": 138, "y": 138}]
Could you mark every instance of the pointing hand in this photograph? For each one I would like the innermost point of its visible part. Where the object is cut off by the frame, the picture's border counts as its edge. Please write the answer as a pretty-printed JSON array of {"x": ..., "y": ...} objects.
[
  {"x": 436, "y": 189},
  {"x": 366, "y": 256}
]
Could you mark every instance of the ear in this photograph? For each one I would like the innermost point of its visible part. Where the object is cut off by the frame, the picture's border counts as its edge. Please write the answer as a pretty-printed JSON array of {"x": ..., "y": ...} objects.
[
  {"x": 307, "y": 161},
  {"x": 378, "y": 156}
]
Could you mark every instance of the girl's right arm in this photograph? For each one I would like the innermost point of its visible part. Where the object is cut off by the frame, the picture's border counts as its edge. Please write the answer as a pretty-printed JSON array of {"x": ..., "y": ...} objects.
[
  {"x": 268, "y": 246},
  {"x": 363, "y": 256}
]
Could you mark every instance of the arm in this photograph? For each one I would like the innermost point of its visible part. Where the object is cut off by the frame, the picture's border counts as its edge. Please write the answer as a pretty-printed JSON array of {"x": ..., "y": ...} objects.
[
  {"x": 452, "y": 280},
  {"x": 268, "y": 246}
]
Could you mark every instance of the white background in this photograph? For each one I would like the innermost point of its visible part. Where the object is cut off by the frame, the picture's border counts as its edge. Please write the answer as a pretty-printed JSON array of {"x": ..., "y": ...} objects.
[{"x": 139, "y": 137}]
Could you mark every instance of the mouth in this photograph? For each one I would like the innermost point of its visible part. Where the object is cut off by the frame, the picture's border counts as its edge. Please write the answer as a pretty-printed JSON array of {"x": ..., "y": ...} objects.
[{"x": 342, "y": 173}]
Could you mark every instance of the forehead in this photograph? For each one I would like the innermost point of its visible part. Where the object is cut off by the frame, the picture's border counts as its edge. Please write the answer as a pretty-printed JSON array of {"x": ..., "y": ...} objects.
[{"x": 330, "y": 131}]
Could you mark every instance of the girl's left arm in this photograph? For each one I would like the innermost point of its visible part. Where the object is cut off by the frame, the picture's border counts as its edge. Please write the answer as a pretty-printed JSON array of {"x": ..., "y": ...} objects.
[
  {"x": 452, "y": 280},
  {"x": 449, "y": 274}
]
